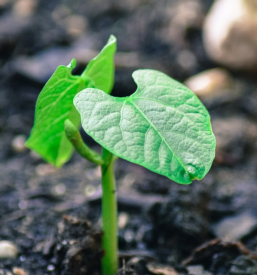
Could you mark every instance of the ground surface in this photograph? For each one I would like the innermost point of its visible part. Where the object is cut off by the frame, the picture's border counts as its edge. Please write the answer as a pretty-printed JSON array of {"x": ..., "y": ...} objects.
[{"x": 52, "y": 216}]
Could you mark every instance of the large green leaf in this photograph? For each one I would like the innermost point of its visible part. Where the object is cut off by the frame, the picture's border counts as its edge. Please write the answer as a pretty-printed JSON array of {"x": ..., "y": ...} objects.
[
  {"x": 162, "y": 126},
  {"x": 55, "y": 104}
]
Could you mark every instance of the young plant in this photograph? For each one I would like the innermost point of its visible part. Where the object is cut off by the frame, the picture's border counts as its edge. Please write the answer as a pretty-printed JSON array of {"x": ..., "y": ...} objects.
[{"x": 162, "y": 126}]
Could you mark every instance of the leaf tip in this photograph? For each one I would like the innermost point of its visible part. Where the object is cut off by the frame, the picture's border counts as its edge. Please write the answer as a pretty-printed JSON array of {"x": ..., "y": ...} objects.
[
  {"x": 72, "y": 64},
  {"x": 112, "y": 39}
]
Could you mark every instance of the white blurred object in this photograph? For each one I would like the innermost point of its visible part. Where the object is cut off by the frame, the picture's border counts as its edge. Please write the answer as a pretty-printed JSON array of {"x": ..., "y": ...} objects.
[
  {"x": 230, "y": 33},
  {"x": 18, "y": 144},
  {"x": 8, "y": 250},
  {"x": 210, "y": 83}
]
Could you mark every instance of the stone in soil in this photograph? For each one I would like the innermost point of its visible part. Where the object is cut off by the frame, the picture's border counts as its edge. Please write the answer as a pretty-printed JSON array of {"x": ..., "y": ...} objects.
[
  {"x": 197, "y": 270},
  {"x": 230, "y": 36},
  {"x": 18, "y": 144},
  {"x": 236, "y": 227},
  {"x": 211, "y": 84},
  {"x": 8, "y": 250}
]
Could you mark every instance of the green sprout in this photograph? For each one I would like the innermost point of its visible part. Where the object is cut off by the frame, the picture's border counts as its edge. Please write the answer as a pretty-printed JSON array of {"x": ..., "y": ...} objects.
[{"x": 162, "y": 126}]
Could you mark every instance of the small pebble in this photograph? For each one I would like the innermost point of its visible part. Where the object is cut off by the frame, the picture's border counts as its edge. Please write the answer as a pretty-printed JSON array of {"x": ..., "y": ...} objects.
[
  {"x": 23, "y": 205},
  {"x": 90, "y": 190},
  {"x": 19, "y": 271},
  {"x": 161, "y": 269},
  {"x": 59, "y": 189},
  {"x": 123, "y": 220},
  {"x": 129, "y": 235},
  {"x": 236, "y": 227},
  {"x": 64, "y": 242},
  {"x": 210, "y": 84},
  {"x": 18, "y": 144},
  {"x": 51, "y": 267},
  {"x": 45, "y": 169},
  {"x": 197, "y": 270},
  {"x": 8, "y": 250},
  {"x": 22, "y": 258},
  {"x": 24, "y": 8}
]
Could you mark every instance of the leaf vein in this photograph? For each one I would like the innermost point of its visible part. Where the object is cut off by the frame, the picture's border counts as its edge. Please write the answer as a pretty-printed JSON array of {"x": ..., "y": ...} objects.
[{"x": 179, "y": 160}]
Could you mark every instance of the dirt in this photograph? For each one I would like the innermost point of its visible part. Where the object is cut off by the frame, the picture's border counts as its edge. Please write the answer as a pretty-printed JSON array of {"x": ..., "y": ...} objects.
[{"x": 53, "y": 215}]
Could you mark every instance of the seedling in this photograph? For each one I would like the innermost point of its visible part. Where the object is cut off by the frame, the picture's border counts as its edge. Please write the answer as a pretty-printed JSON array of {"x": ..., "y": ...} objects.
[{"x": 162, "y": 126}]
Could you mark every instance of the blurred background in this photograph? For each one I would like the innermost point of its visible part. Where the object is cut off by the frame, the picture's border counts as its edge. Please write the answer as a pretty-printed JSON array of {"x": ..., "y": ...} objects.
[{"x": 211, "y": 46}]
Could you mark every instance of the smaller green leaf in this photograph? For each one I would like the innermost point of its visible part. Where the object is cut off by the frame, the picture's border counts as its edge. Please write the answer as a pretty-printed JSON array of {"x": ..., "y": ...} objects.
[
  {"x": 53, "y": 107},
  {"x": 100, "y": 70},
  {"x": 55, "y": 104},
  {"x": 162, "y": 126}
]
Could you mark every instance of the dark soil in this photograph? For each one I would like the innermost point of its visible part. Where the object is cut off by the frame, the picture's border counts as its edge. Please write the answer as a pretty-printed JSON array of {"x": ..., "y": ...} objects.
[{"x": 53, "y": 216}]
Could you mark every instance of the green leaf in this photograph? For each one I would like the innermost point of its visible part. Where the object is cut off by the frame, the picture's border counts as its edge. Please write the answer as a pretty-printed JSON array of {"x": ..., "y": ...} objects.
[
  {"x": 100, "y": 70},
  {"x": 162, "y": 126},
  {"x": 53, "y": 107},
  {"x": 55, "y": 104}
]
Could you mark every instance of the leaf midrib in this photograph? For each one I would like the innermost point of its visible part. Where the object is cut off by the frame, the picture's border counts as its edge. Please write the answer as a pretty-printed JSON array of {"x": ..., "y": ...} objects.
[
  {"x": 163, "y": 140},
  {"x": 184, "y": 116}
]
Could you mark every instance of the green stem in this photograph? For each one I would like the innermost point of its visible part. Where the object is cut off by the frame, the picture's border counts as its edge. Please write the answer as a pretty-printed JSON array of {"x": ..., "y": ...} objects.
[
  {"x": 75, "y": 138},
  {"x": 109, "y": 215}
]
